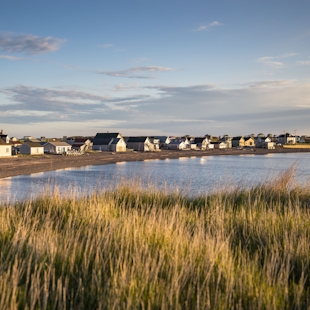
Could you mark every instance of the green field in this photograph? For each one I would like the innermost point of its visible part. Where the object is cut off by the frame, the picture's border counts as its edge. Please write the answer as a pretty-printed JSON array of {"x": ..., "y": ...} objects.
[{"x": 134, "y": 248}]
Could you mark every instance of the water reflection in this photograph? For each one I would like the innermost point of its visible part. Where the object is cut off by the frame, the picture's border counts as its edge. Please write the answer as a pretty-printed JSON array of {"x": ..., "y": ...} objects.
[{"x": 199, "y": 175}]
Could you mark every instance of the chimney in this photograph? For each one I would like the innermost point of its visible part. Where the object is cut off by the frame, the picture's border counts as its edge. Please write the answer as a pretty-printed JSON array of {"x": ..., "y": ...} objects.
[{"x": 1, "y": 132}]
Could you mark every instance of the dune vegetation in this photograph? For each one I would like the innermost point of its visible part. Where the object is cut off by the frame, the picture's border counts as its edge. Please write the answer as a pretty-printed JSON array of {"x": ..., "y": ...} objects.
[{"x": 135, "y": 248}]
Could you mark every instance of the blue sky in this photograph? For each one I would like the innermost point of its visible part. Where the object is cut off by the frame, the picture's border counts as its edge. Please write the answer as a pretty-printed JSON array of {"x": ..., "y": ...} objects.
[{"x": 154, "y": 67}]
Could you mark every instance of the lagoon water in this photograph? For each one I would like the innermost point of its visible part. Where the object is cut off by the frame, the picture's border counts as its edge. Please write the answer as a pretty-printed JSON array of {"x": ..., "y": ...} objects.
[{"x": 190, "y": 176}]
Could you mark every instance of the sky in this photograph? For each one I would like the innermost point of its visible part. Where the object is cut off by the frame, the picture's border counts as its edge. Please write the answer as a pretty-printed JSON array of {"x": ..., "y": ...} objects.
[{"x": 144, "y": 67}]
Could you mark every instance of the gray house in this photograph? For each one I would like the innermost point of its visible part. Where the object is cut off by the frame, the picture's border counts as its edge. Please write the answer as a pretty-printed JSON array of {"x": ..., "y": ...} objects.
[
  {"x": 31, "y": 148},
  {"x": 57, "y": 147}
]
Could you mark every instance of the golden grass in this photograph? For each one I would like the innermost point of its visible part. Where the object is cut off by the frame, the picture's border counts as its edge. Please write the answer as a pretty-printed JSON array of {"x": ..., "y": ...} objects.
[{"x": 131, "y": 248}]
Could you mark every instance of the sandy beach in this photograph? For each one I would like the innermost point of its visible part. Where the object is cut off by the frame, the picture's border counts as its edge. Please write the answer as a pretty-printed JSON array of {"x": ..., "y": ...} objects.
[{"x": 20, "y": 165}]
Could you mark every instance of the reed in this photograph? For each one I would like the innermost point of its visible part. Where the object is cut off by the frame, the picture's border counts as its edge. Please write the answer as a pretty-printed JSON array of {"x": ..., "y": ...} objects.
[{"x": 135, "y": 248}]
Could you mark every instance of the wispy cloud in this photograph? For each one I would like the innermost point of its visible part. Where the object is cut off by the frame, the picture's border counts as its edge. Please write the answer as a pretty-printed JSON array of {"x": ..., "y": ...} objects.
[
  {"x": 304, "y": 63},
  {"x": 126, "y": 87},
  {"x": 132, "y": 72},
  {"x": 208, "y": 26},
  {"x": 108, "y": 45},
  {"x": 256, "y": 107},
  {"x": 10, "y": 57},
  {"x": 270, "y": 61},
  {"x": 28, "y": 44},
  {"x": 71, "y": 105}
]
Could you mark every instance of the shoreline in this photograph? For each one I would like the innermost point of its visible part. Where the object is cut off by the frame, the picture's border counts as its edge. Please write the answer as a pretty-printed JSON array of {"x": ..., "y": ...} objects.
[{"x": 25, "y": 165}]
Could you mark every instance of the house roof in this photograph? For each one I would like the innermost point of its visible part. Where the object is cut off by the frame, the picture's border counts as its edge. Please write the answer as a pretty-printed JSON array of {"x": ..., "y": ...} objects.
[
  {"x": 33, "y": 144},
  {"x": 115, "y": 140},
  {"x": 58, "y": 143},
  {"x": 2, "y": 142},
  {"x": 162, "y": 139},
  {"x": 248, "y": 138},
  {"x": 199, "y": 140},
  {"x": 137, "y": 139},
  {"x": 237, "y": 138},
  {"x": 105, "y": 141},
  {"x": 81, "y": 140},
  {"x": 106, "y": 135},
  {"x": 176, "y": 142}
]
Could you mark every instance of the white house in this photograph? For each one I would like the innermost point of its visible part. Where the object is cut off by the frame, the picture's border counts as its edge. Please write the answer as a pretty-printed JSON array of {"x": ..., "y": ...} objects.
[
  {"x": 57, "y": 147},
  {"x": 31, "y": 148},
  {"x": 5, "y": 149},
  {"x": 118, "y": 145}
]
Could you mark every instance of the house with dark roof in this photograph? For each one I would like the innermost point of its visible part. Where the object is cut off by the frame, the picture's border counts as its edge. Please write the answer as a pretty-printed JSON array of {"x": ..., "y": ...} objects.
[
  {"x": 201, "y": 142},
  {"x": 31, "y": 148},
  {"x": 176, "y": 144},
  {"x": 237, "y": 141},
  {"x": 140, "y": 144},
  {"x": 287, "y": 139},
  {"x": 106, "y": 135},
  {"x": 109, "y": 144},
  {"x": 264, "y": 142}
]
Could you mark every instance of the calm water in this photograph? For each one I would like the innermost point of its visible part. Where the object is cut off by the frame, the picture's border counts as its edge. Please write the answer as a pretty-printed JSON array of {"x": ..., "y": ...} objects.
[{"x": 195, "y": 175}]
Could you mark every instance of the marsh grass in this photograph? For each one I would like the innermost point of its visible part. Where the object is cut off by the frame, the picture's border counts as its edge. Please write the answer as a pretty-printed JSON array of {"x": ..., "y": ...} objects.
[{"x": 135, "y": 248}]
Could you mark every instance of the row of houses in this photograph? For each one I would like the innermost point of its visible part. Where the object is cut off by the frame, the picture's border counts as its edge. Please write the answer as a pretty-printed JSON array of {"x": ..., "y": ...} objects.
[{"x": 115, "y": 142}]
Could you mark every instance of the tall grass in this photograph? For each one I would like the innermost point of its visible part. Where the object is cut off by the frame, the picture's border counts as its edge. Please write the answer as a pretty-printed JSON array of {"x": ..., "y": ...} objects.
[{"x": 135, "y": 249}]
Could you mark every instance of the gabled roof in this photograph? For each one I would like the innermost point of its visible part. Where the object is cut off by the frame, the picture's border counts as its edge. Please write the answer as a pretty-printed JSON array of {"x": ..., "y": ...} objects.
[
  {"x": 106, "y": 135},
  {"x": 248, "y": 138},
  {"x": 177, "y": 142},
  {"x": 162, "y": 139},
  {"x": 137, "y": 139},
  {"x": 199, "y": 139},
  {"x": 33, "y": 144},
  {"x": 81, "y": 140},
  {"x": 58, "y": 143},
  {"x": 237, "y": 138},
  {"x": 218, "y": 142},
  {"x": 2, "y": 142},
  {"x": 105, "y": 141},
  {"x": 115, "y": 140}
]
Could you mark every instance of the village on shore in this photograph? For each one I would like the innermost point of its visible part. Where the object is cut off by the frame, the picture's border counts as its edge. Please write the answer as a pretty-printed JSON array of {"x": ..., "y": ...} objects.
[{"x": 115, "y": 143}]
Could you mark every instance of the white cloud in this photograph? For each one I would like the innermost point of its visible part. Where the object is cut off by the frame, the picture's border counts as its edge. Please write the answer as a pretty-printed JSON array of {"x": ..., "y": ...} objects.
[
  {"x": 270, "y": 60},
  {"x": 125, "y": 87},
  {"x": 131, "y": 73},
  {"x": 208, "y": 26},
  {"x": 10, "y": 57},
  {"x": 28, "y": 44}
]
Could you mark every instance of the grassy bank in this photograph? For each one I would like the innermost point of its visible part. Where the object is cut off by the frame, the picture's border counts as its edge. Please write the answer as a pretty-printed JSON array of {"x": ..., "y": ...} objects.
[{"x": 135, "y": 249}]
